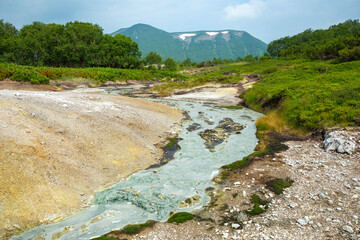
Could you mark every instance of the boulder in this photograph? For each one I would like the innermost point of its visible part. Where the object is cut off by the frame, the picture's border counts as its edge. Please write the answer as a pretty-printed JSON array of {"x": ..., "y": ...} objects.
[{"x": 339, "y": 141}]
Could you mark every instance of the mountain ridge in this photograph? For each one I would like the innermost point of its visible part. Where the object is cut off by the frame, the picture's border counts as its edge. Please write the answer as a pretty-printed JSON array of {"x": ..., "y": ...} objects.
[{"x": 199, "y": 45}]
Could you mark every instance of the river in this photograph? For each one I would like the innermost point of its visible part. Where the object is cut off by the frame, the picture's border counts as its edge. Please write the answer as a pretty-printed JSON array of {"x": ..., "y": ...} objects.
[{"x": 154, "y": 193}]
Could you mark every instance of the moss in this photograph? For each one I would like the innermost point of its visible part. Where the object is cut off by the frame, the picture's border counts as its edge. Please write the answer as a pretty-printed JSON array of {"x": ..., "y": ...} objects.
[
  {"x": 278, "y": 185},
  {"x": 104, "y": 238},
  {"x": 238, "y": 164},
  {"x": 132, "y": 229},
  {"x": 232, "y": 107},
  {"x": 223, "y": 175},
  {"x": 256, "y": 210},
  {"x": 180, "y": 217},
  {"x": 257, "y": 201},
  {"x": 172, "y": 142}
]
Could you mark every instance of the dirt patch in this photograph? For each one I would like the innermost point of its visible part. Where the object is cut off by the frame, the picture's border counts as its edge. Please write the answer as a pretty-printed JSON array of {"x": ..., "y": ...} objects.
[
  {"x": 57, "y": 148},
  {"x": 224, "y": 96}
]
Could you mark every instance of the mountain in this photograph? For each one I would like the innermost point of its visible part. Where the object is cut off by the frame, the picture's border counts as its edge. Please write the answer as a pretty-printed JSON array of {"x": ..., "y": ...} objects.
[{"x": 198, "y": 46}]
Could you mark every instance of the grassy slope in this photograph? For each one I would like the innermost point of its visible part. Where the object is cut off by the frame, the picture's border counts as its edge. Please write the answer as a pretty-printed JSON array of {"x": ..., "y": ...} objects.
[
  {"x": 307, "y": 94},
  {"x": 42, "y": 75}
]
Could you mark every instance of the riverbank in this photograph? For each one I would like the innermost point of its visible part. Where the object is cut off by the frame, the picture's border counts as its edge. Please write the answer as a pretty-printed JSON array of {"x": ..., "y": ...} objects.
[
  {"x": 322, "y": 203},
  {"x": 58, "y": 148}
]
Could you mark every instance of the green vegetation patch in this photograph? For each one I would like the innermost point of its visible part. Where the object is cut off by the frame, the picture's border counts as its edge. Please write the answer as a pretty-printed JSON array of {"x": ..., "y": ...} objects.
[
  {"x": 223, "y": 175},
  {"x": 42, "y": 75},
  {"x": 132, "y": 229},
  {"x": 232, "y": 107},
  {"x": 278, "y": 185},
  {"x": 172, "y": 142},
  {"x": 308, "y": 95},
  {"x": 180, "y": 217},
  {"x": 257, "y": 201},
  {"x": 238, "y": 164},
  {"x": 105, "y": 238}
]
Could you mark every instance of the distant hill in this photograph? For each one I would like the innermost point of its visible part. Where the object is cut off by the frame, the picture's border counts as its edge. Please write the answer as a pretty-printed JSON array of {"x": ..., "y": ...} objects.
[{"x": 198, "y": 46}]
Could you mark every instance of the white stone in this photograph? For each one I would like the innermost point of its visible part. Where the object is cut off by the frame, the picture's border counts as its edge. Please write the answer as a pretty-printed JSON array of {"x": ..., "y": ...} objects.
[
  {"x": 235, "y": 225},
  {"x": 348, "y": 229},
  {"x": 302, "y": 221},
  {"x": 293, "y": 205}
]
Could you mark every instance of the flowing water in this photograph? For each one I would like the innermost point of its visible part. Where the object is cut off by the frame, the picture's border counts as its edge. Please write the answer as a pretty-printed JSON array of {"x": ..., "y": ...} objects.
[{"x": 154, "y": 193}]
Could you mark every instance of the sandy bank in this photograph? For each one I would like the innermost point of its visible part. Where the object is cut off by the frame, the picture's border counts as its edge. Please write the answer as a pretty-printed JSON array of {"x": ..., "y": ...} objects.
[{"x": 57, "y": 148}]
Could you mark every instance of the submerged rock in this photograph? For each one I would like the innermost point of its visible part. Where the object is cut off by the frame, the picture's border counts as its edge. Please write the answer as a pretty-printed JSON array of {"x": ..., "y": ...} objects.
[
  {"x": 221, "y": 132},
  {"x": 193, "y": 127},
  {"x": 212, "y": 138},
  {"x": 229, "y": 126},
  {"x": 191, "y": 201}
]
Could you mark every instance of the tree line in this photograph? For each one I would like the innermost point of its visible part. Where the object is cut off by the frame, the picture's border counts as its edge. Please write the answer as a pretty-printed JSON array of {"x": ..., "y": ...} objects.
[
  {"x": 339, "y": 42},
  {"x": 74, "y": 44}
]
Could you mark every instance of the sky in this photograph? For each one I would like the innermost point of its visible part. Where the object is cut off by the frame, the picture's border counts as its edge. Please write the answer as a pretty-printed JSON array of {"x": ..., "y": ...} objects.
[{"x": 267, "y": 20}]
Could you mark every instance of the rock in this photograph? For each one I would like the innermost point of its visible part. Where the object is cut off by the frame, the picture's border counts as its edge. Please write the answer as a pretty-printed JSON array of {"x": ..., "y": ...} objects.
[
  {"x": 338, "y": 141},
  {"x": 65, "y": 105},
  {"x": 302, "y": 221},
  {"x": 237, "y": 183},
  {"x": 212, "y": 138},
  {"x": 355, "y": 180},
  {"x": 348, "y": 186},
  {"x": 321, "y": 195},
  {"x": 348, "y": 229},
  {"x": 193, "y": 127},
  {"x": 242, "y": 217},
  {"x": 235, "y": 225},
  {"x": 293, "y": 205}
]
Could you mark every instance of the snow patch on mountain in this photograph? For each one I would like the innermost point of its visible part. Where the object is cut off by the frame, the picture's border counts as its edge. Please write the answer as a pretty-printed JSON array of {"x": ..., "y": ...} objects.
[
  {"x": 212, "y": 33},
  {"x": 185, "y": 35}
]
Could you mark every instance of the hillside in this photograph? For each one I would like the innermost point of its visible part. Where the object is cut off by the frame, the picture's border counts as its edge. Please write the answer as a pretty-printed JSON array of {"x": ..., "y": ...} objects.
[{"x": 198, "y": 46}]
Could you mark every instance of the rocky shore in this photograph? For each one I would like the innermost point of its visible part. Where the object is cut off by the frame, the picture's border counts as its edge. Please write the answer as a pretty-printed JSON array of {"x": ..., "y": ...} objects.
[{"x": 322, "y": 203}]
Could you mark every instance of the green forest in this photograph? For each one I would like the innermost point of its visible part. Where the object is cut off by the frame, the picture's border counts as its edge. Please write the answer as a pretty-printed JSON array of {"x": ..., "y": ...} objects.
[
  {"x": 75, "y": 44},
  {"x": 340, "y": 42}
]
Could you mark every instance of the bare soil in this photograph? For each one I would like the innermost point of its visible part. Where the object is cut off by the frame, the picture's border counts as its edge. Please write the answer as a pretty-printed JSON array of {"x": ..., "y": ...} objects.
[{"x": 58, "y": 148}]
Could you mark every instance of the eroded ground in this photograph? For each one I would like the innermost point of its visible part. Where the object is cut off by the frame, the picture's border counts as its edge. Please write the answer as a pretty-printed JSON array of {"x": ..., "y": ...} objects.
[{"x": 57, "y": 148}]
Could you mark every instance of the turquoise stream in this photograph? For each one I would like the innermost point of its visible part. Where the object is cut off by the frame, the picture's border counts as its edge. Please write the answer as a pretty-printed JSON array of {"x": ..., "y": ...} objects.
[{"x": 154, "y": 193}]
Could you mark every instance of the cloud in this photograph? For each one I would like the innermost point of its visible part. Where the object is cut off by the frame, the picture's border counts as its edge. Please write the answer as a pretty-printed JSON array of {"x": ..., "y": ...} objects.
[{"x": 249, "y": 10}]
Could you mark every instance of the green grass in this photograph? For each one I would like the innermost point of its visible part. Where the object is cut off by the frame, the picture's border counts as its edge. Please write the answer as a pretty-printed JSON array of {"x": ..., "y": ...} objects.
[
  {"x": 307, "y": 94},
  {"x": 42, "y": 75},
  {"x": 180, "y": 217}
]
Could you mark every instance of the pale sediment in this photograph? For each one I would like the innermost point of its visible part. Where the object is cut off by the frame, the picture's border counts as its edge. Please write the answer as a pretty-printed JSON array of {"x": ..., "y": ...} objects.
[{"x": 57, "y": 149}]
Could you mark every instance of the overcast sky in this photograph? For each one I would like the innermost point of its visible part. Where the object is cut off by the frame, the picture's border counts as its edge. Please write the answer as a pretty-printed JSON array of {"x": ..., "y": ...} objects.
[{"x": 265, "y": 19}]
